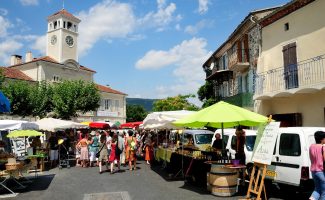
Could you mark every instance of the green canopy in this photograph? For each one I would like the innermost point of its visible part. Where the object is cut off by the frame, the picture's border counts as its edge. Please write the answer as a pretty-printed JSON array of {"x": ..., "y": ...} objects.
[
  {"x": 221, "y": 115},
  {"x": 24, "y": 133}
]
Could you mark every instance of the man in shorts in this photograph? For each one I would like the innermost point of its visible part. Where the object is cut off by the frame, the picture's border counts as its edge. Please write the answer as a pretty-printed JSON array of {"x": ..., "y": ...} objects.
[{"x": 53, "y": 146}]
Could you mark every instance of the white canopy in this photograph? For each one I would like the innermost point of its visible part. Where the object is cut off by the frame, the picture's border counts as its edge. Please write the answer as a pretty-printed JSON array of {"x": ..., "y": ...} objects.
[
  {"x": 163, "y": 120},
  {"x": 51, "y": 124},
  {"x": 17, "y": 125}
]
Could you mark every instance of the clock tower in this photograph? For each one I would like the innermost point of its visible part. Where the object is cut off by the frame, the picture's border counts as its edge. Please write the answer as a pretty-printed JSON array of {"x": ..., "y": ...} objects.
[{"x": 62, "y": 37}]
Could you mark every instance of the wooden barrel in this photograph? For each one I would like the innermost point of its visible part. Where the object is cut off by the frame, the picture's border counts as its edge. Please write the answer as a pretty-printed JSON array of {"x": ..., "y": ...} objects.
[
  {"x": 209, "y": 187},
  {"x": 223, "y": 180}
]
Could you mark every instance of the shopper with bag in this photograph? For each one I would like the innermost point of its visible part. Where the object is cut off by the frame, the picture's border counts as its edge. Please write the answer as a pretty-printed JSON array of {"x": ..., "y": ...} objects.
[
  {"x": 115, "y": 153},
  {"x": 102, "y": 154},
  {"x": 131, "y": 148}
]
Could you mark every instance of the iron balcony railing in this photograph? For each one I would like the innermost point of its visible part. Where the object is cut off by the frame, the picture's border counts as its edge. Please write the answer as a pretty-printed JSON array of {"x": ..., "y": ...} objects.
[
  {"x": 307, "y": 73},
  {"x": 241, "y": 100}
]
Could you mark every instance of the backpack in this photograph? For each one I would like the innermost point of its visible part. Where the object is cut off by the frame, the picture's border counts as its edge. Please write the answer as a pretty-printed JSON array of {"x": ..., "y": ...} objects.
[{"x": 133, "y": 145}]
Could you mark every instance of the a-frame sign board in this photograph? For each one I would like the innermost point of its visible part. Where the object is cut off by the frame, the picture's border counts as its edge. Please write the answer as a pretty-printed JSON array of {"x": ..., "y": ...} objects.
[{"x": 256, "y": 183}]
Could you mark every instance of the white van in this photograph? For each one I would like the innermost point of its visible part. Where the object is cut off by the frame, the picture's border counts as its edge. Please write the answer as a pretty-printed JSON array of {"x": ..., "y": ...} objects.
[
  {"x": 202, "y": 138},
  {"x": 290, "y": 162}
]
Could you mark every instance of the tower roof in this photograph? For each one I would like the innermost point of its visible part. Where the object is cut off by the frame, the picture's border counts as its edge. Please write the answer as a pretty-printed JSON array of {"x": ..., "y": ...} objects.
[{"x": 63, "y": 13}]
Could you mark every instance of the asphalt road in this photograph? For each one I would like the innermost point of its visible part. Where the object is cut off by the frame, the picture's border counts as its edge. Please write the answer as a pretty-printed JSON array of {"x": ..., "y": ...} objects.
[{"x": 142, "y": 184}]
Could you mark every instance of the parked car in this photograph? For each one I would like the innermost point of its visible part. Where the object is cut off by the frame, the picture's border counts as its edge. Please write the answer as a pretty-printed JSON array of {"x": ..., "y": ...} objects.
[{"x": 202, "y": 138}]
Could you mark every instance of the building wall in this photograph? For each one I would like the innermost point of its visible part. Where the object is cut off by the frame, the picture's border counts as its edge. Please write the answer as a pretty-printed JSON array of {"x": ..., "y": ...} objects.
[
  {"x": 49, "y": 70},
  {"x": 311, "y": 106},
  {"x": 306, "y": 28},
  {"x": 69, "y": 52}
]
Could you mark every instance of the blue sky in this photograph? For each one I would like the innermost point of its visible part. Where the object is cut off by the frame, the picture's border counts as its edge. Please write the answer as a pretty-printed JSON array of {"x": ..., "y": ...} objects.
[{"x": 145, "y": 48}]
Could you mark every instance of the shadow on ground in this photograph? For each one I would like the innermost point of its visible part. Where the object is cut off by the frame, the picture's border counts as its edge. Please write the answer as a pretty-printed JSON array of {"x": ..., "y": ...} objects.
[{"x": 36, "y": 184}]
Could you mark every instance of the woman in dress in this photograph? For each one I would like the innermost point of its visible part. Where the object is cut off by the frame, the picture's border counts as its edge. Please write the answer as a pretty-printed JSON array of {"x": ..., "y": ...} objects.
[
  {"x": 93, "y": 147},
  {"x": 103, "y": 153},
  {"x": 114, "y": 155},
  {"x": 149, "y": 149},
  {"x": 84, "y": 155},
  {"x": 131, "y": 148}
]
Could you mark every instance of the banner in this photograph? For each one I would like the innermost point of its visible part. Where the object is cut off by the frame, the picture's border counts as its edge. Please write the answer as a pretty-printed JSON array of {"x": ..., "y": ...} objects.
[{"x": 265, "y": 142}]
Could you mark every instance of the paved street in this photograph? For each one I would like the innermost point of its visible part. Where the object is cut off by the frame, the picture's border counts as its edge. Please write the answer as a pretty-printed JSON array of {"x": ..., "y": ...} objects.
[{"x": 144, "y": 183}]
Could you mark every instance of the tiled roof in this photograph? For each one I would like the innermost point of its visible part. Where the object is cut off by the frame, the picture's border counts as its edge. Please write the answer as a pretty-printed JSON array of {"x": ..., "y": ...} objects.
[
  {"x": 108, "y": 89},
  {"x": 52, "y": 60},
  {"x": 65, "y": 13},
  {"x": 15, "y": 74},
  {"x": 284, "y": 11}
]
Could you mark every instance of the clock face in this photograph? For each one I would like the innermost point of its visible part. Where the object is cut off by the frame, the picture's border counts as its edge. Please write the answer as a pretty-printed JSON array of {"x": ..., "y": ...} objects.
[
  {"x": 69, "y": 40},
  {"x": 53, "y": 39}
]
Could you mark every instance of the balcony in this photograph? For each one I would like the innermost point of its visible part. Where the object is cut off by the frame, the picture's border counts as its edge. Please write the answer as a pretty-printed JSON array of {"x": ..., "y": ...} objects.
[
  {"x": 237, "y": 62},
  {"x": 305, "y": 77},
  {"x": 244, "y": 100}
]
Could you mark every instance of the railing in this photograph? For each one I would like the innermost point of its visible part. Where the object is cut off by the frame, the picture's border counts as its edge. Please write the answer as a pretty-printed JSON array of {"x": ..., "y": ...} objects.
[
  {"x": 241, "y": 100},
  {"x": 307, "y": 73}
]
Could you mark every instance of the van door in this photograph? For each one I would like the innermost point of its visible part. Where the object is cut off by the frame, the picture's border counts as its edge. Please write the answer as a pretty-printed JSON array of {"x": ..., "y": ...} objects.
[{"x": 288, "y": 158}]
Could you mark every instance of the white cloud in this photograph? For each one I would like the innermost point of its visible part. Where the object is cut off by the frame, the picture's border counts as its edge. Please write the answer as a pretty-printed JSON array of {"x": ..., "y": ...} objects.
[
  {"x": 178, "y": 27},
  {"x": 5, "y": 24},
  {"x": 193, "y": 30},
  {"x": 29, "y": 2},
  {"x": 105, "y": 20},
  {"x": 162, "y": 18},
  {"x": 203, "y": 6},
  {"x": 187, "y": 58},
  {"x": 7, "y": 48},
  {"x": 39, "y": 44}
]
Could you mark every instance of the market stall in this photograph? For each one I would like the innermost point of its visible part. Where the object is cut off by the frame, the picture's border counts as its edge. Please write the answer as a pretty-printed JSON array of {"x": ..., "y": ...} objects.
[{"x": 222, "y": 115}]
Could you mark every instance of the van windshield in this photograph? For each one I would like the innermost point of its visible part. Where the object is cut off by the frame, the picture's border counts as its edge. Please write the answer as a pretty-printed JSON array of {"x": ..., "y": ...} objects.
[{"x": 203, "y": 138}]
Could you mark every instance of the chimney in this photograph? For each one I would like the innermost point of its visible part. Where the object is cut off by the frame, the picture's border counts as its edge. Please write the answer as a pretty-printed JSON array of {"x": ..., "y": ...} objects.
[
  {"x": 29, "y": 56},
  {"x": 15, "y": 59}
]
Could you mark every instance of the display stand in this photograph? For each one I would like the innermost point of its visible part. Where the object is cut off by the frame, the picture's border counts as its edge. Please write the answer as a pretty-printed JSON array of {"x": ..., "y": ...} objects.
[{"x": 256, "y": 183}]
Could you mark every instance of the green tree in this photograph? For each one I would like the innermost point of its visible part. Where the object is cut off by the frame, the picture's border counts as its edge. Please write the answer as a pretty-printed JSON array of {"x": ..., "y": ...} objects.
[
  {"x": 135, "y": 113},
  {"x": 42, "y": 98},
  {"x": 179, "y": 102},
  {"x": 20, "y": 94},
  {"x": 70, "y": 97},
  {"x": 206, "y": 94}
]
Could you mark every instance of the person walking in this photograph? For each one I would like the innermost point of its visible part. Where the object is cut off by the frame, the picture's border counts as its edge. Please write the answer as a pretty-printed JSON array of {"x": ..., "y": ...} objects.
[
  {"x": 317, "y": 157},
  {"x": 131, "y": 148},
  {"x": 53, "y": 146},
  {"x": 115, "y": 153},
  {"x": 84, "y": 154},
  {"x": 121, "y": 146},
  {"x": 93, "y": 147},
  {"x": 103, "y": 153},
  {"x": 149, "y": 149}
]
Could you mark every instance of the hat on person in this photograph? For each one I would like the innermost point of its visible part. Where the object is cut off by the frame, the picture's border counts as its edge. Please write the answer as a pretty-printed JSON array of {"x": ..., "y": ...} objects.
[{"x": 92, "y": 133}]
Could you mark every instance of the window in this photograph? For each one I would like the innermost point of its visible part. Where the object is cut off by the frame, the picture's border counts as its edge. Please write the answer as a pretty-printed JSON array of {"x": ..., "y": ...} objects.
[
  {"x": 107, "y": 104},
  {"x": 69, "y": 25},
  {"x": 286, "y": 27},
  {"x": 203, "y": 138},
  {"x": 225, "y": 61},
  {"x": 289, "y": 145},
  {"x": 117, "y": 104},
  {"x": 55, "y": 24},
  {"x": 64, "y": 24},
  {"x": 56, "y": 78},
  {"x": 250, "y": 142}
]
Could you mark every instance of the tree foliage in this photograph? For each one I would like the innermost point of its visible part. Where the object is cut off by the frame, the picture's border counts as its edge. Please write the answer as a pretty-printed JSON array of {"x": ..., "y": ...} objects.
[
  {"x": 206, "y": 94},
  {"x": 65, "y": 99},
  {"x": 179, "y": 102},
  {"x": 21, "y": 97},
  {"x": 70, "y": 97},
  {"x": 135, "y": 113}
]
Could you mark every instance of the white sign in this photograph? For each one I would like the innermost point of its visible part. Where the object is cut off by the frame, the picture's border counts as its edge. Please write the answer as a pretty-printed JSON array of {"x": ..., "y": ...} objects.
[
  {"x": 107, "y": 114},
  {"x": 264, "y": 146}
]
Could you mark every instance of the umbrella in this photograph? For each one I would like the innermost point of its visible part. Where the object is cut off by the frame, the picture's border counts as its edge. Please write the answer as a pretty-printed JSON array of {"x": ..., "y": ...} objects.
[
  {"x": 131, "y": 124},
  {"x": 100, "y": 125},
  {"x": 4, "y": 103},
  {"x": 24, "y": 133},
  {"x": 85, "y": 123},
  {"x": 51, "y": 124},
  {"x": 222, "y": 115}
]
